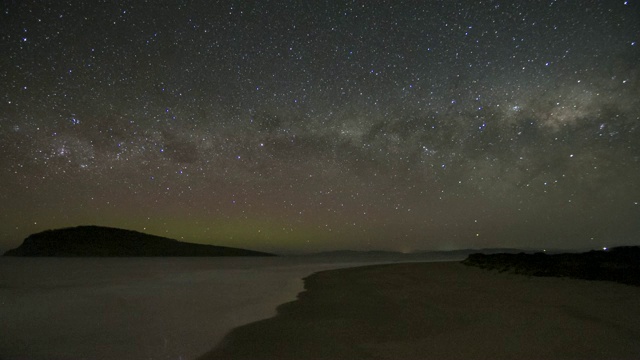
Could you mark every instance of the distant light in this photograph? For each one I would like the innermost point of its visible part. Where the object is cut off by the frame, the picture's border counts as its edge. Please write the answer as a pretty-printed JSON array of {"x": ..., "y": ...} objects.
[{"x": 604, "y": 248}]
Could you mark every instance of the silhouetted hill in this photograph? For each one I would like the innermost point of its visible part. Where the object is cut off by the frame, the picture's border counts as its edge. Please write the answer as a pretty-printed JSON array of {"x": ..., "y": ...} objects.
[
  {"x": 112, "y": 242},
  {"x": 619, "y": 264},
  {"x": 432, "y": 255}
]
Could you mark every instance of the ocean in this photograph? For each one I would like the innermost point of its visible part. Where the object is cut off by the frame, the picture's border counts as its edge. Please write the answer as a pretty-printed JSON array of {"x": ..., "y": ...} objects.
[{"x": 141, "y": 308}]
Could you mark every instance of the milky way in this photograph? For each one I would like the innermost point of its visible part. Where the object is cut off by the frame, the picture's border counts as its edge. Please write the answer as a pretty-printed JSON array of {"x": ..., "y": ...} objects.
[{"x": 306, "y": 126}]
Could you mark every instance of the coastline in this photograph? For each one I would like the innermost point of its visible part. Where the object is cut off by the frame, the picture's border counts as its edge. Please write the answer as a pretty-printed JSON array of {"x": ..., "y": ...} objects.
[
  {"x": 443, "y": 311},
  {"x": 140, "y": 308}
]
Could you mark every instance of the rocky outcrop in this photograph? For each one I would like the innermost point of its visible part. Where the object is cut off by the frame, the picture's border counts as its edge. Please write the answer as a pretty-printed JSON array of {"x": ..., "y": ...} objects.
[{"x": 620, "y": 264}]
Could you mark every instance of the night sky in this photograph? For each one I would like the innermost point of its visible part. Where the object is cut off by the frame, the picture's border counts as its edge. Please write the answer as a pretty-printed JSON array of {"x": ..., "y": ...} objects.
[{"x": 300, "y": 126}]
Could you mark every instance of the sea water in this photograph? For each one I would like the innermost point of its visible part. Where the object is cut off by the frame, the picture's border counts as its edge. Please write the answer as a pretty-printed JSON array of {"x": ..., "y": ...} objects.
[{"x": 140, "y": 308}]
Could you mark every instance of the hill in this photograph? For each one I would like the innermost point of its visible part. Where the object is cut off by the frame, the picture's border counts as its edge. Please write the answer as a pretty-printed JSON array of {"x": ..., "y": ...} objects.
[
  {"x": 421, "y": 255},
  {"x": 619, "y": 264},
  {"x": 99, "y": 241}
]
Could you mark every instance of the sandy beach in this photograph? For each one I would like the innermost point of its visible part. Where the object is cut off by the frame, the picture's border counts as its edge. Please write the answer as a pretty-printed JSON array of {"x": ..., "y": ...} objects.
[
  {"x": 444, "y": 311},
  {"x": 141, "y": 308}
]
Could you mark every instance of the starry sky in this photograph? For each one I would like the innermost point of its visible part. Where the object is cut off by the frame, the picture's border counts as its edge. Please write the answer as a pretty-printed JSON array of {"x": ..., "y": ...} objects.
[{"x": 301, "y": 126}]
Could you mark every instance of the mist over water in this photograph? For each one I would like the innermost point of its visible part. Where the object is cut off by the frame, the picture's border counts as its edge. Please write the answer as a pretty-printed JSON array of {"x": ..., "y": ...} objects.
[{"x": 140, "y": 308}]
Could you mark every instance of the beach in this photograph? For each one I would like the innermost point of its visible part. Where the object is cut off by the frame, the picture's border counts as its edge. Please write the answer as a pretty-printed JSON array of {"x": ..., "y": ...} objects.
[
  {"x": 142, "y": 308},
  {"x": 444, "y": 311}
]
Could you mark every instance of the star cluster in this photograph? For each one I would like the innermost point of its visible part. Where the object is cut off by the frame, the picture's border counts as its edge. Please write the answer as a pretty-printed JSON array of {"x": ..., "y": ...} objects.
[{"x": 306, "y": 126}]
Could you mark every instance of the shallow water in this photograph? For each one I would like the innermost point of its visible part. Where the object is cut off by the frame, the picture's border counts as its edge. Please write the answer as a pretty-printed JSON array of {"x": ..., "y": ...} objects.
[{"x": 140, "y": 308}]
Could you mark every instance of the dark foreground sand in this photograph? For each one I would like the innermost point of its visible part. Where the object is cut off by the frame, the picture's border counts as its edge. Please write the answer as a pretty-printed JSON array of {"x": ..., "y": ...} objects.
[{"x": 444, "y": 311}]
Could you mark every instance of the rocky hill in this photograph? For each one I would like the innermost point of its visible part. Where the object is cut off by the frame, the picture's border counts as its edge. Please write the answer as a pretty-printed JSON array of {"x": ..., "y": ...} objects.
[{"x": 98, "y": 241}]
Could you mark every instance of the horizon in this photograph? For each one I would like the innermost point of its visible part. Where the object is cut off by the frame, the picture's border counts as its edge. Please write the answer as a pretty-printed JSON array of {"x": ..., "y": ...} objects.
[
  {"x": 362, "y": 251},
  {"x": 307, "y": 127}
]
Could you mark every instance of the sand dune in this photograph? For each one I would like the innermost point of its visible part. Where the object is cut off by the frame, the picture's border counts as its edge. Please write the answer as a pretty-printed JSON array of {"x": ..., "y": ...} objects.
[{"x": 444, "y": 311}]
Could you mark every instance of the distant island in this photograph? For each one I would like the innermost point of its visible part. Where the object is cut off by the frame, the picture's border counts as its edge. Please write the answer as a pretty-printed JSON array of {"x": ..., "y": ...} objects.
[
  {"x": 100, "y": 241},
  {"x": 619, "y": 264},
  {"x": 432, "y": 255}
]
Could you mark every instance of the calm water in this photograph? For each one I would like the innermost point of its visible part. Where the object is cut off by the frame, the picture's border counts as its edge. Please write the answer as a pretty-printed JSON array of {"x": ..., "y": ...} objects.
[{"x": 140, "y": 308}]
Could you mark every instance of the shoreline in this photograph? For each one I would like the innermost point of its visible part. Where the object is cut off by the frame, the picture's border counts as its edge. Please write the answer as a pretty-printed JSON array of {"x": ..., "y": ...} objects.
[
  {"x": 135, "y": 308},
  {"x": 443, "y": 310}
]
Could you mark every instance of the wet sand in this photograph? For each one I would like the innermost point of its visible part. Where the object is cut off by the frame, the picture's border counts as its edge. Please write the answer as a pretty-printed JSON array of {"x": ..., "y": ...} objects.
[
  {"x": 444, "y": 311},
  {"x": 141, "y": 308}
]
